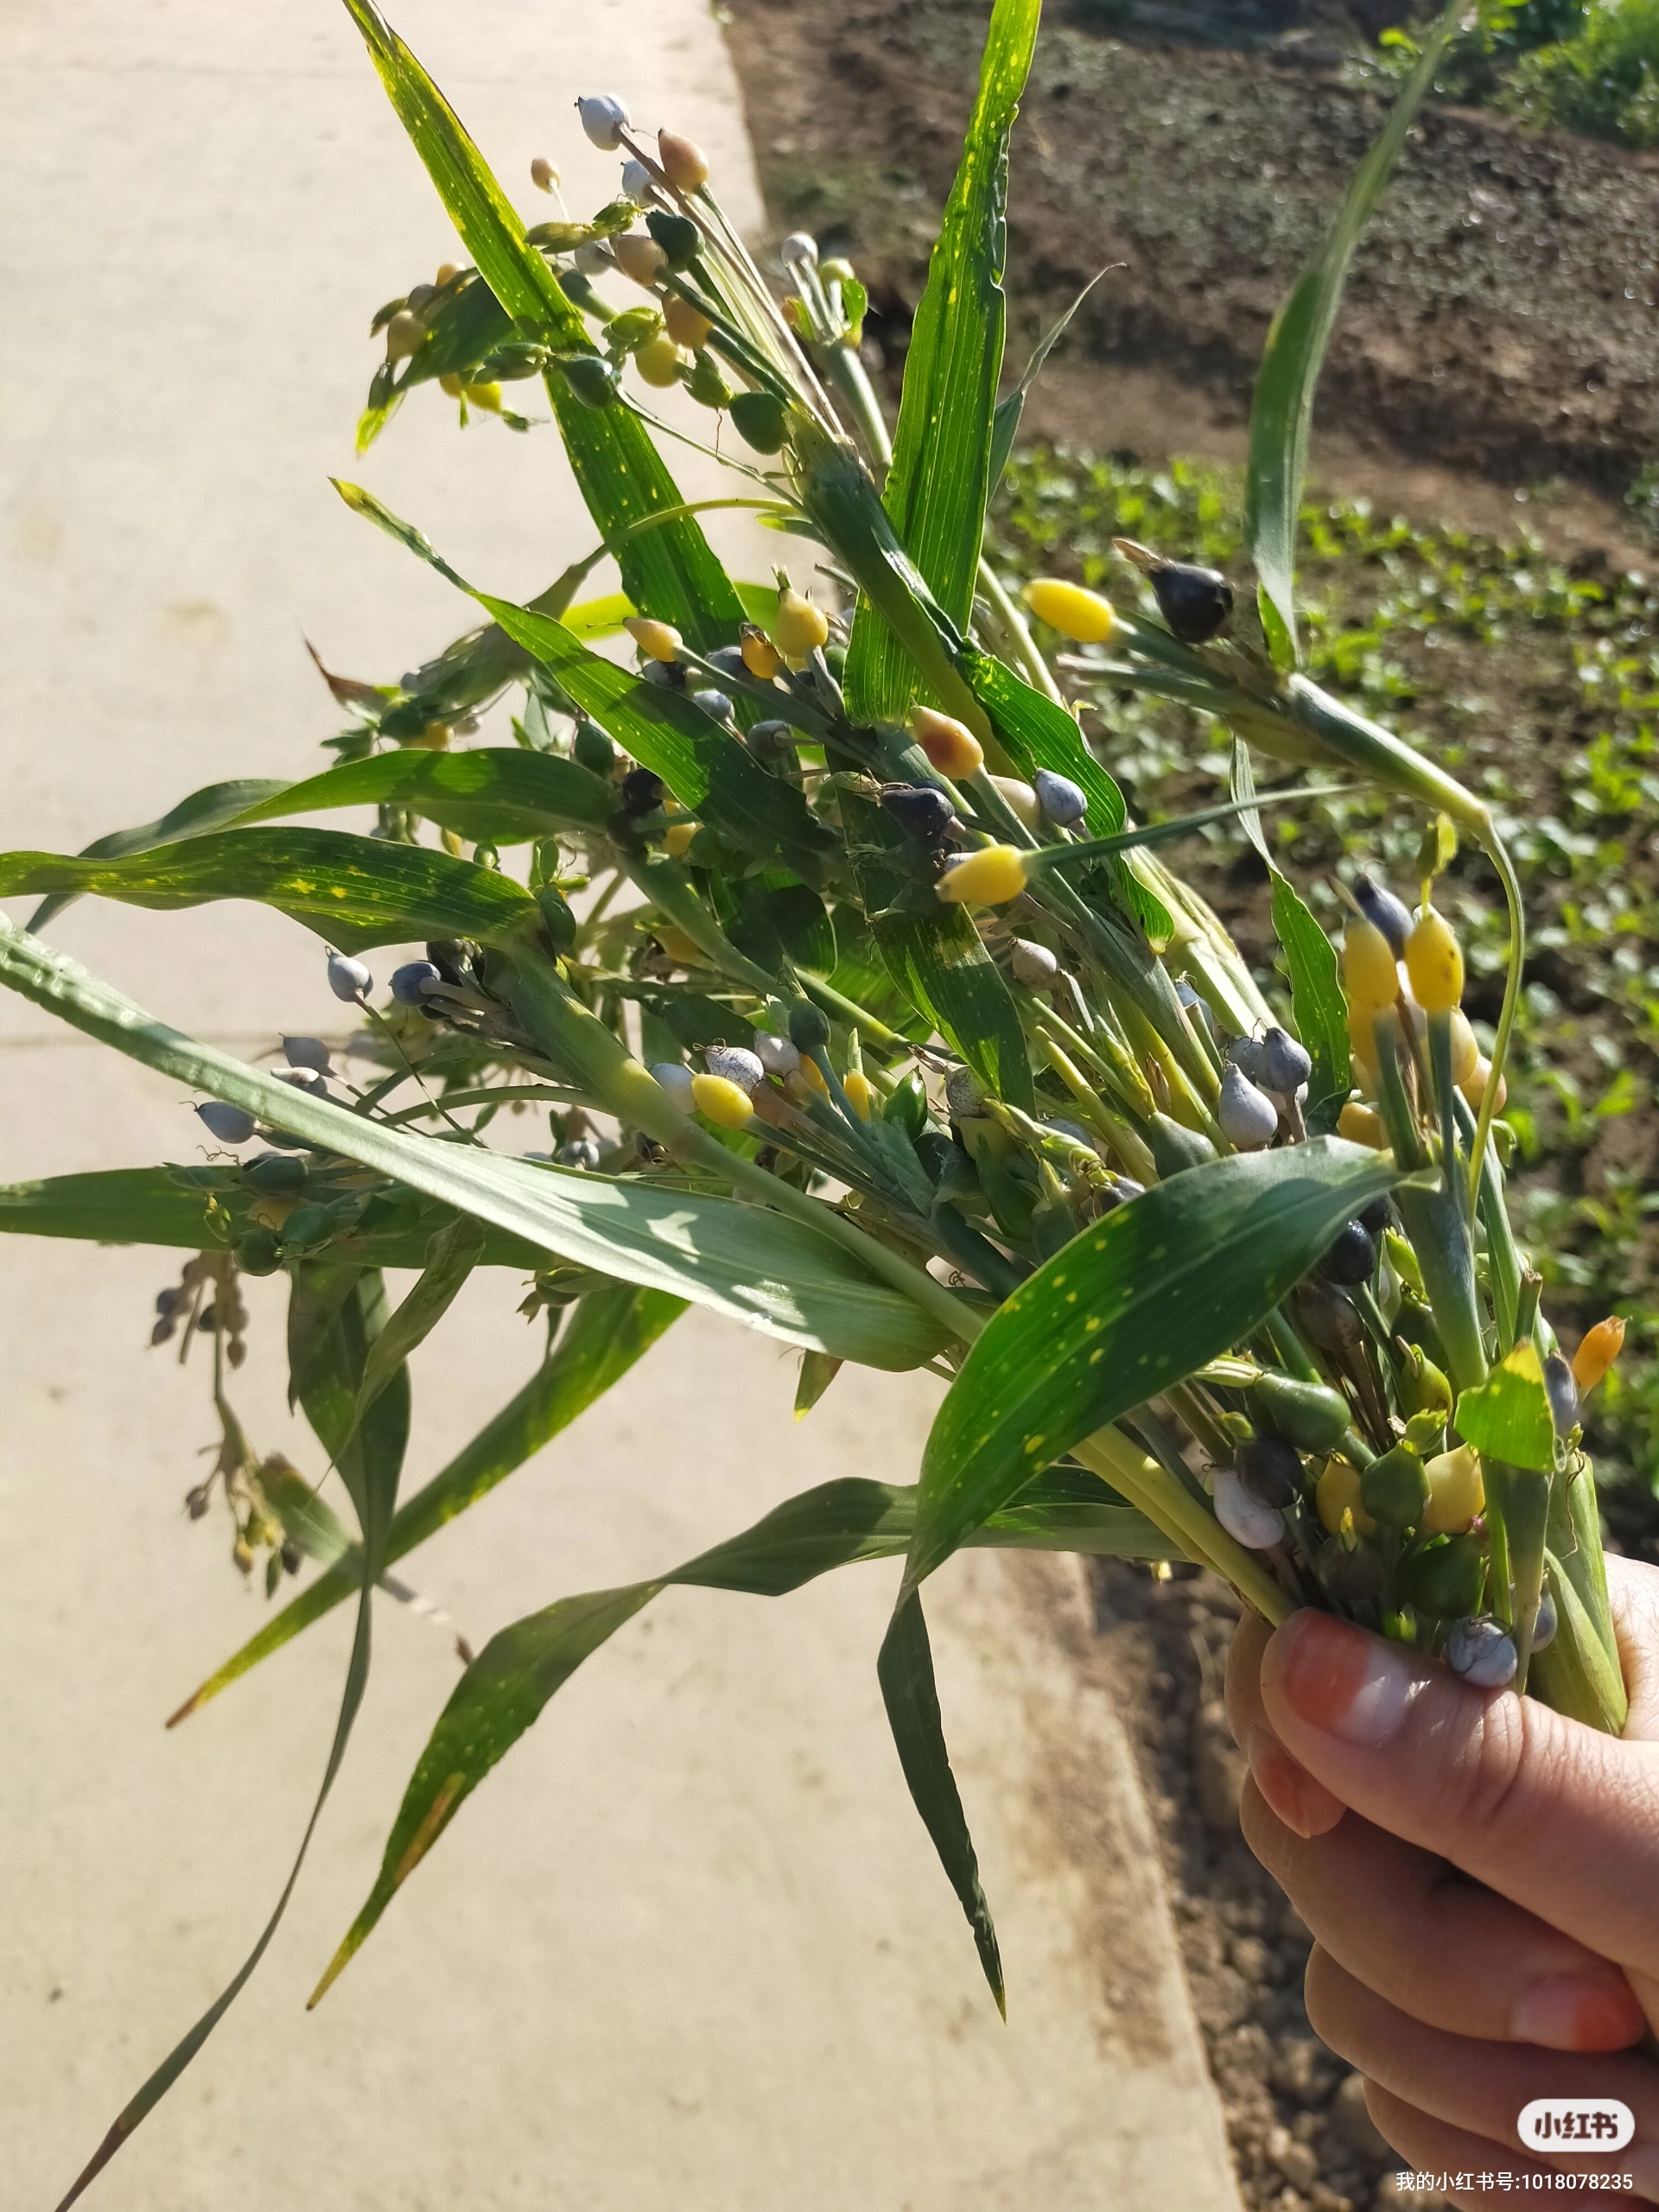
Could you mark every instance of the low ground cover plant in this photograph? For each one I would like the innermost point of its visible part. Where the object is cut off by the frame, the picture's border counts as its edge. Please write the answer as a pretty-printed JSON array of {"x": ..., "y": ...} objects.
[
  {"x": 864, "y": 1011},
  {"x": 1590, "y": 66}
]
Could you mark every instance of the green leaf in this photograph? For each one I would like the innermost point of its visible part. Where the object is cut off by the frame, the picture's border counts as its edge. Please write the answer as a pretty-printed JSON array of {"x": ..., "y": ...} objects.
[
  {"x": 940, "y": 963},
  {"x": 450, "y": 1258},
  {"x": 337, "y": 1316},
  {"x": 1317, "y": 1004},
  {"x": 1282, "y": 406},
  {"x": 354, "y": 892},
  {"x": 609, "y": 1330},
  {"x": 704, "y": 766},
  {"x": 1175, "y": 1278},
  {"x": 210, "y": 809},
  {"x": 193, "y": 1209},
  {"x": 1005, "y": 423},
  {"x": 753, "y": 1265},
  {"x": 1507, "y": 1417},
  {"x": 497, "y": 792},
  {"x": 507, "y": 1687},
  {"x": 671, "y": 572},
  {"x": 817, "y": 1372},
  {"x": 941, "y": 474},
  {"x": 354, "y": 1329}
]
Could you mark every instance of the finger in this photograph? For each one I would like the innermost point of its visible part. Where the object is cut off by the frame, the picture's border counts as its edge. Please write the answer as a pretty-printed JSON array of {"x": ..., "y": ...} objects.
[
  {"x": 1299, "y": 1801},
  {"x": 1482, "y": 2087},
  {"x": 1633, "y": 1589},
  {"x": 1549, "y": 1812},
  {"x": 1445, "y": 1950},
  {"x": 1451, "y": 2157}
]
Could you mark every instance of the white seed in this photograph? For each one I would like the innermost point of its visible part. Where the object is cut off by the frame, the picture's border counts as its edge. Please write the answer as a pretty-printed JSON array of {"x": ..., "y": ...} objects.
[
  {"x": 1245, "y": 1052},
  {"x": 1033, "y": 965},
  {"x": 604, "y": 118},
  {"x": 1482, "y": 1651},
  {"x": 735, "y": 1063},
  {"x": 675, "y": 1080},
  {"x": 800, "y": 251},
  {"x": 637, "y": 183},
  {"x": 230, "y": 1124},
  {"x": 1248, "y": 1117},
  {"x": 778, "y": 1056},
  {"x": 348, "y": 979},
  {"x": 1282, "y": 1065},
  {"x": 1544, "y": 1627},
  {"x": 1064, "y": 802},
  {"x": 1245, "y": 1518},
  {"x": 594, "y": 258},
  {"x": 307, "y": 1052}
]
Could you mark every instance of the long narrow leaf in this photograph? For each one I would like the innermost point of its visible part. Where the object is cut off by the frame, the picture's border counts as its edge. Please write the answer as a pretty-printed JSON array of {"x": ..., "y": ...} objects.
[
  {"x": 210, "y": 809},
  {"x": 941, "y": 473},
  {"x": 508, "y": 1685},
  {"x": 745, "y": 1262},
  {"x": 609, "y": 1332},
  {"x": 1175, "y": 1278},
  {"x": 1282, "y": 407},
  {"x": 376, "y": 1506}
]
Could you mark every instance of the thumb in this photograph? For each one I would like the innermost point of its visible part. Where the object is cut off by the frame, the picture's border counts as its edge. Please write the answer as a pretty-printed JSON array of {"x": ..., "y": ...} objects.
[{"x": 1551, "y": 1813}]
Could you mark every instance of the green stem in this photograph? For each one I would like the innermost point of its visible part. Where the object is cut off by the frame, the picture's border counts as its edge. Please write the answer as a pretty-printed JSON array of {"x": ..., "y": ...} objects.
[
  {"x": 1006, "y": 610},
  {"x": 1193, "y": 1527},
  {"x": 1506, "y": 876}
]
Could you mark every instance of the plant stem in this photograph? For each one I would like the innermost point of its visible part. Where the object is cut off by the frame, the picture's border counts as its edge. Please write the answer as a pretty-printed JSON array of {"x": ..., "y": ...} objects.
[{"x": 1163, "y": 1501}]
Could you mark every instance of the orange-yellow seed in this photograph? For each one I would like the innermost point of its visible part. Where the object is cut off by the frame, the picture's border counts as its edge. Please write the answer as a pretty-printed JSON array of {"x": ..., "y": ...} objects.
[
  {"x": 1475, "y": 1089},
  {"x": 1362, "y": 1036},
  {"x": 950, "y": 745},
  {"x": 1434, "y": 963},
  {"x": 447, "y": 272},
  {"x": 720, "y": 1102},
  {"x": 434, "y": 737},
  {"x": 683, "y": 324},
  {"x": 640, "y": 257},
  {"x": 659, "y": 362},
  {"x": 1022, "y": 800},
  {"x": 1361, "y": 1125},
  {"x": 450, "y": 382},
  {"x": 684, "y": 165},
  {"x": 860, "y": 1093},
  {"x": 989, "y": 877},
  {"x": 679, "y": 837},
  {"x": 487, "y": 397},
  {"x": 543, "y": 174},
  {"x": 1465, "y": 1050},
  {"x": 657, "y": 640},
  {"x": 677, "y": 945},
  {"x": 1598, "y": 1349},
  {"x": 1368, "y": 975},
  {"x": 271, "y": 1213},
  {"x": 1075, "y": 613},
  {"x": 760, "y": 657}
]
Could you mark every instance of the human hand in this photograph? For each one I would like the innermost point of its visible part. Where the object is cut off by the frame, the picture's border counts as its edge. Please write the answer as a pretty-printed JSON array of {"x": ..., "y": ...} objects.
[{"x": 1481, "y": 1877}]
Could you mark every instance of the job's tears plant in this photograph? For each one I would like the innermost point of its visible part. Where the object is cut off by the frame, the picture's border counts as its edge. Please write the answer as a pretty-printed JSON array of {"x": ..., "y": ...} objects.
[{"x": 861, "y": 1013}]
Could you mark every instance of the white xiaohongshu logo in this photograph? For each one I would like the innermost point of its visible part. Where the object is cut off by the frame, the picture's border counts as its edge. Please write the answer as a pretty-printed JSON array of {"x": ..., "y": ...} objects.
[{"x": 1576, "y": 2123}]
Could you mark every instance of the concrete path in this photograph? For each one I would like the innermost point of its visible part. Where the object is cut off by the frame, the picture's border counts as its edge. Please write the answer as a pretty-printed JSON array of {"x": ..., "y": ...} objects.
[{"x": 688, "y": 1946}]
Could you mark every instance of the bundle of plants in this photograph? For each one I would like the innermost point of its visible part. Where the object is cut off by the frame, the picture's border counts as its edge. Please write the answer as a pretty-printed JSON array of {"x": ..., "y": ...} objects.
[{"x": 809, "y": 915}]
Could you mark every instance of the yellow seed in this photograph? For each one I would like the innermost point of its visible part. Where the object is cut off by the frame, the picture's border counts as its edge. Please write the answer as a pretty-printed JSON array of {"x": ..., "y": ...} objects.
[
  {"x": 640, "y": 257},
  {"x": 1465, "y": 1051},
  {"x": 1361, "y": 1125},
  {"x": 989, "y": 877},
  {"x": 656, "y": 641},
  {"x": 1338, "y": 1492},
  {"x": 950, "y": 745},
  {"x": 802, "y": 1081},
  {"x": 450, "y": 382},
  {"x": 1368, "y": 975},
  {"x": 677, "y": 945},
  {"x": 271, "y": 1213},
  {"x": 447, "y": 272},
  {"x": 683, "y": 324},
  {"x": 406, "y": 335},
  {"x": 1456, "y": 1492},
  {"x": 434, "y": 737},
  {"x": 486, "y": 396},
  {"x": 543, "y": 174},
  {"x": 659, "y": 361},
  {"x": 1021, "y": 799},
  {"x": 1475, "y": 1089},
  {"x": 722, "y": 1101},
  {"x": 860, "y": 1093},
  {"x": 680, "y": 836},
  {"x": 1434, "y": 963},
  {"x": 684, "y": 164},
  {"x": 800, "y": 628},
  {"x": 1362, "y": 1036},
  {"x": 1598, "y": 1349},
  {"x": 760, "y": 657},
  {"x": 1072, "y": 611}
]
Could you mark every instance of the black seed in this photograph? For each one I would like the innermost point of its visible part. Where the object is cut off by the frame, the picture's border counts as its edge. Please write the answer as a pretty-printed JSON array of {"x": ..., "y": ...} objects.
[
  {"x": 642, "y": 788},
  {"x": 1271, "y": 1470},
  {"x": 1195, "y": 602},
  {"x": 922, "y": 811},
  {"x": 1352, "y": 1257}
]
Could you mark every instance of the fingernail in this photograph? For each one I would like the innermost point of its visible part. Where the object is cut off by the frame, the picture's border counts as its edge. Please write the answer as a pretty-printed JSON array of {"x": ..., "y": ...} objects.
[
  {"x": 1573, "y": 2011},
  {"x": 1301, "y": 1802},
  {"x": 1340, "y": 1679}
]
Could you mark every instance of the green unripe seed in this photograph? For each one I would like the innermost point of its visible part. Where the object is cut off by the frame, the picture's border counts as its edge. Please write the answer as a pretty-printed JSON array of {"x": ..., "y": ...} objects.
[
  {"x": 594, "y": 751},
  {"x": 275, "y": 1175},
  {"x": 809, "y": 1027},
  {"x": 907, "y": 1105},
  {"x": 557, "y": 914},
  {"x": 706, "y": 384},
  {"x": 677, "y": 235},
  {"x": 1174, "y": 1146},
  {"x": 1423, "y": 1388},
  {"x": 1394, "y": 1489},
  {"x": 593, "y": 381},
  {"x": 256, "y": 1253},
  {"x": 308, "y": 1226},
  {"x": 758, "y": 418},
  {"x": 1307, "y": 1415},
  {"x": 1424, "y": 1432},
  {"x": 1445, "y": 1581}
]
